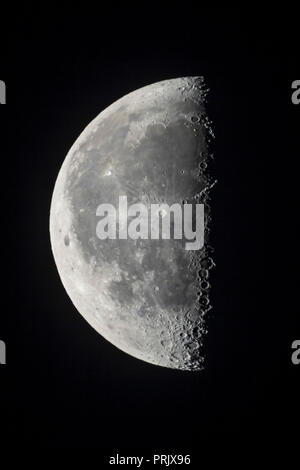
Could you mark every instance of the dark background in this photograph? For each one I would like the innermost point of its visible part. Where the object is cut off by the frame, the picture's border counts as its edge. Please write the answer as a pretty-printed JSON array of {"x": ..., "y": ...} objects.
[{"x": 64, "y": 386}]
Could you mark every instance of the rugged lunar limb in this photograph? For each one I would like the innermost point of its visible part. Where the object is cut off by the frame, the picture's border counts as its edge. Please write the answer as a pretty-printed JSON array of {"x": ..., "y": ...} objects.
[{"x": 147, "y": 297}]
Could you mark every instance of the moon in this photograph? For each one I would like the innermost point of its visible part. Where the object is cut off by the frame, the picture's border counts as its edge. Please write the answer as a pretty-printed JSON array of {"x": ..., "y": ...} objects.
[{"x": 150, "y": 297}]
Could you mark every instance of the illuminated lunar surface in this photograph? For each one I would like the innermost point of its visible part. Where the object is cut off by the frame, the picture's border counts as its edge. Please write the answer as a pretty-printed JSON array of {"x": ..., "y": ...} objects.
[{"x": 147, "y": 297}]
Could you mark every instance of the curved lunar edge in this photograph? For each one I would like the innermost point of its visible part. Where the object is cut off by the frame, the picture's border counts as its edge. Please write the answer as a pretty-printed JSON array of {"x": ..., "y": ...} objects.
[{"x": 147, "y": 297}]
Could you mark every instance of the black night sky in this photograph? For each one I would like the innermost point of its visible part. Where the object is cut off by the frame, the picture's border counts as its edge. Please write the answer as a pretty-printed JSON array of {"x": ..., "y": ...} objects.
[{"x": 64, "y": 386}]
